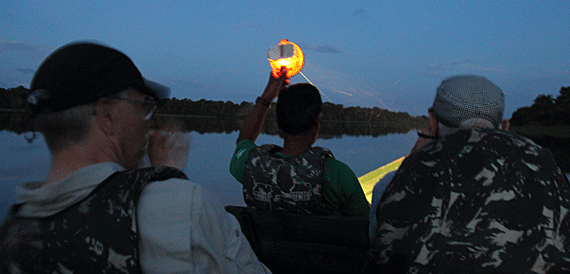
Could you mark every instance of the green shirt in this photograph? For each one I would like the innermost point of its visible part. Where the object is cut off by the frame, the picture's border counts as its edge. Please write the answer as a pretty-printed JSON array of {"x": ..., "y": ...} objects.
[{"x": 341, "y": 188}]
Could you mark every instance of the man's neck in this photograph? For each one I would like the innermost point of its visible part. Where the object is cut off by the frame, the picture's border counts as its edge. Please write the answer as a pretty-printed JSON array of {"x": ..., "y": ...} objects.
[
  {"x": 296, "y": 144},
  {"x": 73, "y": 158}
]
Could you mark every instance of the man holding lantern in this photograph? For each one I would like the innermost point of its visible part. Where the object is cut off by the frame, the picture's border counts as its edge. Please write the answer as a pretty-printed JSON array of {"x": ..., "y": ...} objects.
[{"x": 295, "y": 178}]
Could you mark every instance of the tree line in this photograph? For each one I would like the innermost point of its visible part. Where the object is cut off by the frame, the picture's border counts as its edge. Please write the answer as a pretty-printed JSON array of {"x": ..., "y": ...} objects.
[
  {"x": 15, "y": 99},
  {"x": 545, "y": 111}
]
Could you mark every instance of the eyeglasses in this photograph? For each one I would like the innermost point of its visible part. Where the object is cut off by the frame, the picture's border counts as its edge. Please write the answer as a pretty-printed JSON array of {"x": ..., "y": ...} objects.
[{"x": 148, "y": 104}]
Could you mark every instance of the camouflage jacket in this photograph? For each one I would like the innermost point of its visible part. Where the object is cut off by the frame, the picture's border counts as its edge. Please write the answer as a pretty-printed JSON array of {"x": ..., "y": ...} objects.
[
  {"x": 478, "y": 201},
  {"x": 294, "y": 185},
  {"x": 95, "y": 235}
]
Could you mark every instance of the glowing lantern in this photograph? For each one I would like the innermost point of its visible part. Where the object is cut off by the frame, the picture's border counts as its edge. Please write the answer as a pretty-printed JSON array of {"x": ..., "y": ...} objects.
[{"x": 286, "y": 54}]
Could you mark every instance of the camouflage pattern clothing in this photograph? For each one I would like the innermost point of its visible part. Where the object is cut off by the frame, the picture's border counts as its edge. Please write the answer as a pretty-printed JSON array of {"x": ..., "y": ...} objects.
[
  {"x": 293, "y": 185},
  {"x": 478, "y": 201},
  {"x": 341, "y": 190},
  {"x": 95, "y": 235}
]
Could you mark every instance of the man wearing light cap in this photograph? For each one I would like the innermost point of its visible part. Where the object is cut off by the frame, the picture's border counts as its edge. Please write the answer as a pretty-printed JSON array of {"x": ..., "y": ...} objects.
[
  {"x": 472, "y": 198},
  {"x": 97, "y": 210}
]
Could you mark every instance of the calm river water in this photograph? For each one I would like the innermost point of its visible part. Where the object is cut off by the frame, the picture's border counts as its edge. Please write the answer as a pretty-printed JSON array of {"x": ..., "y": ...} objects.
[{"x": 208, "y": 162}]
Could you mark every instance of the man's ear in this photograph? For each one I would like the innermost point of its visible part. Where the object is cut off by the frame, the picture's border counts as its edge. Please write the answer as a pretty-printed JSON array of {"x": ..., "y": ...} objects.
[
  {"x": 317, "y": 124},
  {"x": 106, "y": 115},
  {"x": 318, "y": 119},
  {"x": 505, "y": 125},
  {"x": 433, "y": 124}
]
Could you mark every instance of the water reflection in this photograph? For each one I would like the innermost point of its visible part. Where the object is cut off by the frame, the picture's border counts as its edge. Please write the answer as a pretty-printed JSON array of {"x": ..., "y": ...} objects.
[
  {"x": 560, "y": 147},
  {"x": 18, "y": 123},
  {"x": 362, "y": 146},
  {"x": 208, "y": 161},
  {"x": 329, "y": 129}
]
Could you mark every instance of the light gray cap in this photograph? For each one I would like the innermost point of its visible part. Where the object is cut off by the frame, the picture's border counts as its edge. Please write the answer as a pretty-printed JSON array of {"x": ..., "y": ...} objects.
[{"x": 460, "y": 98}]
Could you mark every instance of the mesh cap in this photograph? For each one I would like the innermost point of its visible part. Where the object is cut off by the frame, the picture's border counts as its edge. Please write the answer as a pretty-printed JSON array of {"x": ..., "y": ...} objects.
[
  {"x": 80, "y": 73},
  {"x": 461, "y": 98}
]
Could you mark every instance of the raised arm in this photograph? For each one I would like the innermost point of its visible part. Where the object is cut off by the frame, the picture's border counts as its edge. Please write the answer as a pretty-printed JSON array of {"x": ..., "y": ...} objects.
[{"x": 254, "y": 122}]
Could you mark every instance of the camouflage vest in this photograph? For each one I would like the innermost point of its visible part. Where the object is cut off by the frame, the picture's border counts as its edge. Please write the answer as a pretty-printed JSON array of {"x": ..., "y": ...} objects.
[
  {"x": 96, "y": 235},
  {"x": 477, "y": 201},
  {"x": 292, "y": 185}
]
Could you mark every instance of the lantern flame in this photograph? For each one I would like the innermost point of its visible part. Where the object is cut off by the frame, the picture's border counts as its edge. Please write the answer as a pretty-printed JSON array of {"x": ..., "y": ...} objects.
[{"x": 286, "y": 54}]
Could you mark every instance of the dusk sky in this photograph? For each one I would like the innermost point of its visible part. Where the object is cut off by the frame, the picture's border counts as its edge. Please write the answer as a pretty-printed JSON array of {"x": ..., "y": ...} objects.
[{"x": 389, "y": 54}]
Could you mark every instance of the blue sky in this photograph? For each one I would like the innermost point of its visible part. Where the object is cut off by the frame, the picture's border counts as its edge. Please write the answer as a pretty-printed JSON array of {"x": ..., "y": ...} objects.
[{"x": 358, "y": 53}]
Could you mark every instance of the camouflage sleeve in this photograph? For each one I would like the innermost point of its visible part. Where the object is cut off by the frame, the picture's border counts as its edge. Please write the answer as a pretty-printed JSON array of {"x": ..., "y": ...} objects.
[{"x": 240, "y": 157}]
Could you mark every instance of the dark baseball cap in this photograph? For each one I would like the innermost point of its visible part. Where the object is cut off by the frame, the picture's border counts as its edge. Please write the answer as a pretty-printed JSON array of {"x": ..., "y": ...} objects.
[{"x": 82, "y": 72}]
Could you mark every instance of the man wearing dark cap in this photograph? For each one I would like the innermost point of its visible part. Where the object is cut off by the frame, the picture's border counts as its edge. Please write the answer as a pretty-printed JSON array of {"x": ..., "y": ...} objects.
[
  {"x": 472, "y": 198},
  {"x": 97, "y": 210},
  {"x": 298, "y": 177}
]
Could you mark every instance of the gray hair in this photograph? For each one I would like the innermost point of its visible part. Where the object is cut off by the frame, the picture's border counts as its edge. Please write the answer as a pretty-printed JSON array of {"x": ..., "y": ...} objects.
[
  {"x": 63, "y": 128},
  {"x": 467, "y": 124}
]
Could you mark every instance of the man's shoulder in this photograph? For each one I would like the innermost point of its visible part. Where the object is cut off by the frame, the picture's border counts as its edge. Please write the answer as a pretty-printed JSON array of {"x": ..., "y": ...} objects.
[
  {"x": 464, "y": 140},
  {"x": 507, "y": 143},
  {"x": 468, "y": 152},
  {"x": 334, "y": 165},
  {"x": 330, "y": 160},
  {"x": 164, "y": 196},
  {"x": 492, "y": 136},
  {"x": 335, "y": 162},
  {"x": 325, "y": 152},
  {"x": 176, "y": 186}
]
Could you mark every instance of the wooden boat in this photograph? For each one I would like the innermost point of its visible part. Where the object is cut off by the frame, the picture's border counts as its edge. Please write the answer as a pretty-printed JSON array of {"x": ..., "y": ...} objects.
[{"x": 292, "y": 243}]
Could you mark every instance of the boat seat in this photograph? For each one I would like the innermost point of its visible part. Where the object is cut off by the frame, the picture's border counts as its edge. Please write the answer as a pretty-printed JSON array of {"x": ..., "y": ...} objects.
[{"x": 294, "y": 243}]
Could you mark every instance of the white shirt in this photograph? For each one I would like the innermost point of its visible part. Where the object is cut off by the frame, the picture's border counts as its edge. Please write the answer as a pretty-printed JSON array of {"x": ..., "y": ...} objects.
[{"x": 181, "y": 228}]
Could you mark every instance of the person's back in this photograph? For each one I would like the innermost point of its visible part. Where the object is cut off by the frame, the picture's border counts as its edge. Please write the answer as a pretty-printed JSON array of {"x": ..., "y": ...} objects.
[
  {"x": 95, "y": 233},
  {"x": 476, "y": 199},
  {"x": 274, "y": 182},
  {"x": 97, "y": 211},
  {"x": 295, "y": 178}
]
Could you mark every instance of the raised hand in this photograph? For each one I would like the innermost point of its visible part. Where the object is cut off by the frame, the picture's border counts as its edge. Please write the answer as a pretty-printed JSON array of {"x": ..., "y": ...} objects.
[{"x": 167, "y": 148}]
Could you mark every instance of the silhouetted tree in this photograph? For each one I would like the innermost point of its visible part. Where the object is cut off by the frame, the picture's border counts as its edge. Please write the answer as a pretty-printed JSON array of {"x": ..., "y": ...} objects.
[{"x": 546, "y": 110}]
